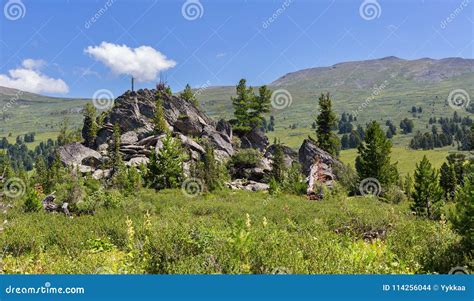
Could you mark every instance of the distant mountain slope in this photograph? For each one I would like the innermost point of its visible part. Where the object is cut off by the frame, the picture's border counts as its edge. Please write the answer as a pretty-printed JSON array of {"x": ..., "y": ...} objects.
[
  {"x": 23, "y": 112},
  {"x": 378, "y": 89}
]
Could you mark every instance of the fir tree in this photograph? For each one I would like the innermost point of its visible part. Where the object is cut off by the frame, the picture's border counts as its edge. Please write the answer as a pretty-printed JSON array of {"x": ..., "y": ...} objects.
[
  {"x": 447, "y": 180},
  {"x": 408, "y": 185},
  {"x": 114, "y": 150},
  {"x": 188, "y": 95},
  {"x": 326, "y": 122},
  {"x": 373, "y": 160},
  {"x": 278, "y": 164},
  {"x": 427, "y": 195},
  {"x": 259, "y": 106},
  {"x": 212, "y": 172},
  {"x": 89, "y": 129},
  {"x": 463, "y": 217},
  {"x": 242, "y": 103},
  {"x": 165, "y": 168},
  {"x": 159, "y": 120}
]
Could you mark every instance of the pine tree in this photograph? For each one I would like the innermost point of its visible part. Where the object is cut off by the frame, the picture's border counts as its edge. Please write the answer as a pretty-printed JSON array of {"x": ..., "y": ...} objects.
[
  {"x": 89, "y": 129},
  {"x": 278, "y": 164},
  {"x": 188, "y": 95},
  {"x": 114, "y": 150},
  {"x": 408, "y": 185},
  {"x": 373, "y": 160},
  {"x": 41, "y": 171},
  {"x": 326, "y": 122},
  {"x": 259, "y": 106},
  {"x": 447, "y": 180},
  {"x": 241, "y": 104},
  {"x": 165, "y": 168},
  {"x": 427, "y": 196},
  {"x": 159, "y": 120},
  {"x": 212, "y": 172},
  {"x": 463, "y": 217}
]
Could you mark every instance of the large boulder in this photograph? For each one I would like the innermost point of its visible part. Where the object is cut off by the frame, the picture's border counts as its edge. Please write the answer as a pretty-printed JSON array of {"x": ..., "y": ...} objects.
[
  {"x": 317, "y": 165},
  {"x": 78, "y": 155},
  {"x": 256, "y": 139},
  {"x": 289, "y": 154},
  {"x": 309, "y": 153}
]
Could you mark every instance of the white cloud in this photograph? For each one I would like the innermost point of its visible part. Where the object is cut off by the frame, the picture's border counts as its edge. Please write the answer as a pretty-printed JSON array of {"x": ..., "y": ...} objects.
[
  {"x": 29, "y": 78},
  {"x": 33, "y": 64},
  {"x": 144, "y": 63}
]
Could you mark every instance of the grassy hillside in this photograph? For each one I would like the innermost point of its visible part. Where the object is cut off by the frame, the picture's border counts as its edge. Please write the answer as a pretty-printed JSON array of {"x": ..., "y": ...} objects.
[
  {"x": 24, "y": 112},
  {"x": 229, "y": 232},
  {"x": 389, "y": 87}
]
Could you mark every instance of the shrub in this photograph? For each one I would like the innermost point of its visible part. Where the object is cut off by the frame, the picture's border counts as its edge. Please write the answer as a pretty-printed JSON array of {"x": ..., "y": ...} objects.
[
  {"x": 246, "y": 158},
  {"x": 32, "y": 202},
  {"x": 393, "y": 195}
]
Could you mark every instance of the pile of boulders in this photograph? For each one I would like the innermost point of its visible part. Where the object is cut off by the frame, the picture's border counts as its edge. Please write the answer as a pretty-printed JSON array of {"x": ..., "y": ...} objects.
[{"x": 134, "y": 112}]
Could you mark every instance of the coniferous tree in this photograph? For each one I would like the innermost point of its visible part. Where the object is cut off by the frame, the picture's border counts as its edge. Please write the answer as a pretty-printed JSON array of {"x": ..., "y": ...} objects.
[
  {"x": 447, "y": 180},
  {"x": 212, "y": 172},
  {"x": 408, "y": 185},
  {"x": 165, "y": 169},
  {"x": 259, "y": 106},
  {"x": 159, "y": 120},
  {"x": 326, "y": 122},
  {"x": 114, "y": 151},
  {"x": 278, "y": 163},
  {"x": 241, "y": 104},
  {"x": 463, "y": 217},
  {"x": 373, "y": 160},
  {"x": 89, "y": 129},
  {"x": 427, "y": 194},
  {"x": 188, "y": 95}
]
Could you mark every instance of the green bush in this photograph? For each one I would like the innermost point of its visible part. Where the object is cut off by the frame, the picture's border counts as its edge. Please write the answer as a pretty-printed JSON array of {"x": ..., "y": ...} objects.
[
  {"x": 32, "y": 202},
  {"x": 245, "y": 158}
]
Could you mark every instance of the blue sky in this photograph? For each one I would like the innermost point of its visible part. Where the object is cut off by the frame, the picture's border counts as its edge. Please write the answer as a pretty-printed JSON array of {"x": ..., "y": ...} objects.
[{"x": 227, "y": 41}]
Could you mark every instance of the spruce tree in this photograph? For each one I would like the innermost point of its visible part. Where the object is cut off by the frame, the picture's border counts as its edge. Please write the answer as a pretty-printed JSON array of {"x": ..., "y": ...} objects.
[
  {"x": 159, "y": 120},
  {"x": 278, "y": 164},
  {"x": 212, "y": 172},
  {"x": 408, "y": 185},
  {"x": 165, "y": 168},
  {"x": 373, "y": 160},
  {"x": 447, "y": 180},
  {"x": 259, "y": 106},
  {"x": 325, "y": 123},
  {"x": 89, "y": 129},
  {"x": 114, "y": 150},
  {"x": 242, "y": 103},
  {"x": 188, "y": 95},
  {"x": 463, "y": 217},
  {"x": 427, "y": 195}
]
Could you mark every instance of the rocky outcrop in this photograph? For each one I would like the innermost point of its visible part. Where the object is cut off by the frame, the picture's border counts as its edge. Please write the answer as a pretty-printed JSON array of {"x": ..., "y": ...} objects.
[
  {"x": 79, "y": 156},
  {"x": 317, "y": 167},
  {"x": 249, "y": 185},
  {"x": 255, "y": 139}
]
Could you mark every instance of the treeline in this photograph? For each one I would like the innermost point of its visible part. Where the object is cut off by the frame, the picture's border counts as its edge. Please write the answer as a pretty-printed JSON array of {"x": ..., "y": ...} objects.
[{"x": 455, "y": 129}]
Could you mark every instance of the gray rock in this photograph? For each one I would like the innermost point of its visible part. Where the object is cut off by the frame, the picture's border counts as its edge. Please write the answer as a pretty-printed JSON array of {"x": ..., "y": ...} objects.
[
  {"x": 309, "y": 153},
  {"x": 225, "y": 128},
  {"x": 247, "y": 185},
  {"x": 102, "y": 174},
  {"x": 254, "y": 139},
  {"x": 290, "y": 155},
  {"x": 137, "y": 161},
  {"x": 76, "y": 154},
  {"x": 130, "y": 137}
]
